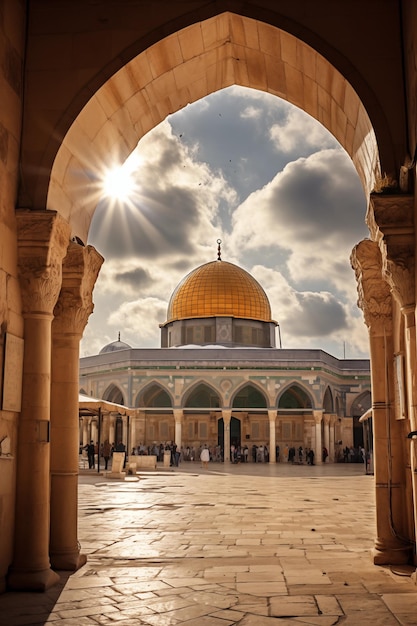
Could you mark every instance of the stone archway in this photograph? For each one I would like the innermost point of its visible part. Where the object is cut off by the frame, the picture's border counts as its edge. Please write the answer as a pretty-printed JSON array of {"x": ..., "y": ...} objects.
[{"x": 184, "y": 67}]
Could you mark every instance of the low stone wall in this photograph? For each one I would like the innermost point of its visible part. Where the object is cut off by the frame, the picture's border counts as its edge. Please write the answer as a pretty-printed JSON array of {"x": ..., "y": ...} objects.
[{"x": 142, "y": 461}]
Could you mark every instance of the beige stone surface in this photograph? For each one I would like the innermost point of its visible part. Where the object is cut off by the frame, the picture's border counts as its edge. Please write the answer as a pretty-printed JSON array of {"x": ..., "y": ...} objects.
[{"x": 158, "y": 555}]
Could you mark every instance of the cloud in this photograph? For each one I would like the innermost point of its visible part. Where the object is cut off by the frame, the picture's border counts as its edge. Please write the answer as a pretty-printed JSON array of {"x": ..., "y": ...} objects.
[
  {"x": 251, "y": 112},
  {"x": 317, "y": 314},
  {"x": 310, "y": 319},
  {"x": 314, "y": 209},
  {"x": 135, "y": 278},
  {"x": 250, "y": 169},
  {"x": 298, "y": 131},
  {"x": 176, "y": 205},
  {"x": 140, "y": 319}
]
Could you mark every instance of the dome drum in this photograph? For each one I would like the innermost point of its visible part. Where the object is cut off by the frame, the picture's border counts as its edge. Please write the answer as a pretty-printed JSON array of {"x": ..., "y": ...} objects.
[{"x": 225, "y": 331}]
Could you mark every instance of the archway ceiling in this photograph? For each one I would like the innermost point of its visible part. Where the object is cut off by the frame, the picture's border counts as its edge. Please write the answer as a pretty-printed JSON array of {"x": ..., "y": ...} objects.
[{"x": 185, "y": 67}]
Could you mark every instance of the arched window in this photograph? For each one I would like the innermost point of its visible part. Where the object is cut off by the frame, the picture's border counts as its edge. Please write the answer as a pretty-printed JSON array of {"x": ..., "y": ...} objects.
[
  {"x": 154, "y": 396},
  {"x": 294, "y": 398},
  {"x": 249, "y": 398},
  {"x": 113, "y": 394},
  {"x": 203, "y": 396}
]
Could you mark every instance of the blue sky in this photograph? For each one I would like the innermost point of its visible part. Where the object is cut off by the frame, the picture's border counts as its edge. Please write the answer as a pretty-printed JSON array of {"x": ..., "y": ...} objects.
[{"x": 270, "y": 182}]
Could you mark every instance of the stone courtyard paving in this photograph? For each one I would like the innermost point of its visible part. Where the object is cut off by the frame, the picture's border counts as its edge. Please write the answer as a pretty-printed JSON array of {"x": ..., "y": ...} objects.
[{"x": 254, "y": 545}]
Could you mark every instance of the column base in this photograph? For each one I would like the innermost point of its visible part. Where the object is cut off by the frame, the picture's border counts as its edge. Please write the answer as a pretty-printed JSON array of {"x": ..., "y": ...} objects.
[
  {"x": 68, "y": 562},
  {"x": 32, "y": 581},
  {"x": 391, "y": 555}
]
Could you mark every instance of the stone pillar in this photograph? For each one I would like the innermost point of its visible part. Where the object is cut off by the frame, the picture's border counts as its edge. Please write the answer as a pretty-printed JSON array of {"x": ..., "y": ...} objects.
[
  {"x": 333, "y": 420},
  {"x": 85, "y": 431},
  {"x": 397, "y": 246},
  {"x": 272, "y": 416},
  {"x": 105, "y": 433},
  {"x": 112, "y": 429},
  {"x": 140, "y": 426},
  {"x": 125, "y": 433},
  {"x": 178, "y": 417},
  {"x": 318, "y": 416},
  {"x": 133, "y": 440},
  {"x": 376, "y": 304},
  {"x": 227, "y": 416},
  {"x": 94, "y": 430},
  {"x": 43, "y": 238},
  {"x": 79, "y": 274},
  {"x": 326, "y": 432}
]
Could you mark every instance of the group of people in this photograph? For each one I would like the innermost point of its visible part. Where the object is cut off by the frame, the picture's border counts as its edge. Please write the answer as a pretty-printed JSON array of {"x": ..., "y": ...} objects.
[
  {"x": 354, "y": 455},
  {"x": 238, "y": 454},
  {"x": 106, "y": 452},
  {"x": 299, "y": 455}
]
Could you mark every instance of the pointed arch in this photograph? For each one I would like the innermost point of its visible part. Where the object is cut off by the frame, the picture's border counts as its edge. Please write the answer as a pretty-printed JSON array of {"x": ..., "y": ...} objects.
[
  {"x": 202, "y": 395},
  {"x": 114, "y": 394},
  {"x": 360, "y": 404},
  {"x": 294, "y": 396},
  {"x": 249, "y": 396},
  {"x": 154, "y": 395},
  {"x": 328, "y": 404},
  {"x": 228, "y": 49}
]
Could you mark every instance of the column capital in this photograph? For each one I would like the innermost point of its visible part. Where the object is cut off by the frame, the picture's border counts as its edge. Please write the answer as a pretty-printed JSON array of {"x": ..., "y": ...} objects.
[
  {"x": 333, "y": 419},
  {"x": 326, "y": 418},
  {"x": 43, "y": 238},
  {"x": 272, "y": 414},
  {"x": 80, "y": 269},
  {"x": 390, "y": 214},
  {"x": 318, "y": 416},
  {"x": 374, "y": 297},
  {"x": 390, "y": 221},
  {"x": 227, "y": 414},
  {"x": 178, "y": 414}
]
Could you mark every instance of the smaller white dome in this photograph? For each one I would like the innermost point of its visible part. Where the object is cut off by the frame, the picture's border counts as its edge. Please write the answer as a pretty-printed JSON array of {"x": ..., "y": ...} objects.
[{"x": 114, "y": 346}]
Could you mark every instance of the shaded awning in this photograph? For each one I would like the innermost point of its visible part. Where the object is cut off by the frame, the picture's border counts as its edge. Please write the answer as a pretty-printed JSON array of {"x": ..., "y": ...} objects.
[
  {"x": 366, "y": 415},
  {"x": 88, "y": 405}
]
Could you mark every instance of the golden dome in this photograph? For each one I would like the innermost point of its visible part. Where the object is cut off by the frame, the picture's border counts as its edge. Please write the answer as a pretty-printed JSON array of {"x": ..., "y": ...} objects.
[{"x": 219, "y": 289}]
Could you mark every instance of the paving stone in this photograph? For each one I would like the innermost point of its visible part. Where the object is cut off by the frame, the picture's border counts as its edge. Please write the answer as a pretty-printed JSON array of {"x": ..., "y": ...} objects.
[
  {"x": 293, "y": 606},
  {"x": 204, "y": 562}
]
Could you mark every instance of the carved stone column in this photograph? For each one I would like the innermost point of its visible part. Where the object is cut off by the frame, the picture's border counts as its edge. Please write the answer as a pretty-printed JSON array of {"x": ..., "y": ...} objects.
[
  {"x": 79, "y": 274},
  {"x": 376, "y": 304},
  {"x": 133, "y": 436},
  {"x": 333, "y": 420},
  {"x": 272, "y": 415},
  {"x": 93, "y": 430},
  {"x": 396, "y": 241},
  {"x": 112, "y": 429},
  {"x": 125, "y": 433},
  {"x": 326, "y": 432},
  {"x": 318, "y": 417},
  {"x": 178, "y": 417},
  {"x": 140, "y": 427},
  {"x": 43, "y": 238},
  {"x": 227, "y": 416},
  {"x": 85, "y": 431}
]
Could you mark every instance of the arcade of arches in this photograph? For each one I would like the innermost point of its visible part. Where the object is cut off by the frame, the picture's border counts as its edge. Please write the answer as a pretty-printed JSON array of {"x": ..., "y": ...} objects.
[
  {"x": 222, "y": 382},
  {"x": 80, "y": 79}
]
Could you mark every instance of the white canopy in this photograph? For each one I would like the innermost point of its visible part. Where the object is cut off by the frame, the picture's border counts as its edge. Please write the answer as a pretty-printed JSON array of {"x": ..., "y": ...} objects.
[
  {"x": 88, "y": 403},
  {"x": 366, "y": 415}
]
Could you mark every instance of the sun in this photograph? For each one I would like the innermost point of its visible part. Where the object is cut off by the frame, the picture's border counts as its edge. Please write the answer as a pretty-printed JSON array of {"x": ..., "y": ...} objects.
[
  {"x": 119, "y": 184},
  {"x": 120, "y": 181}
]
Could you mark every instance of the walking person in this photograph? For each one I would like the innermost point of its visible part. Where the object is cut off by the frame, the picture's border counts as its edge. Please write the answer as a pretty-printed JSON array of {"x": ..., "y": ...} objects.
[
  {"x": 91, "y": 450},
  {"x": 106, "y": 453},
  {"x": 205, "y": 456}
]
